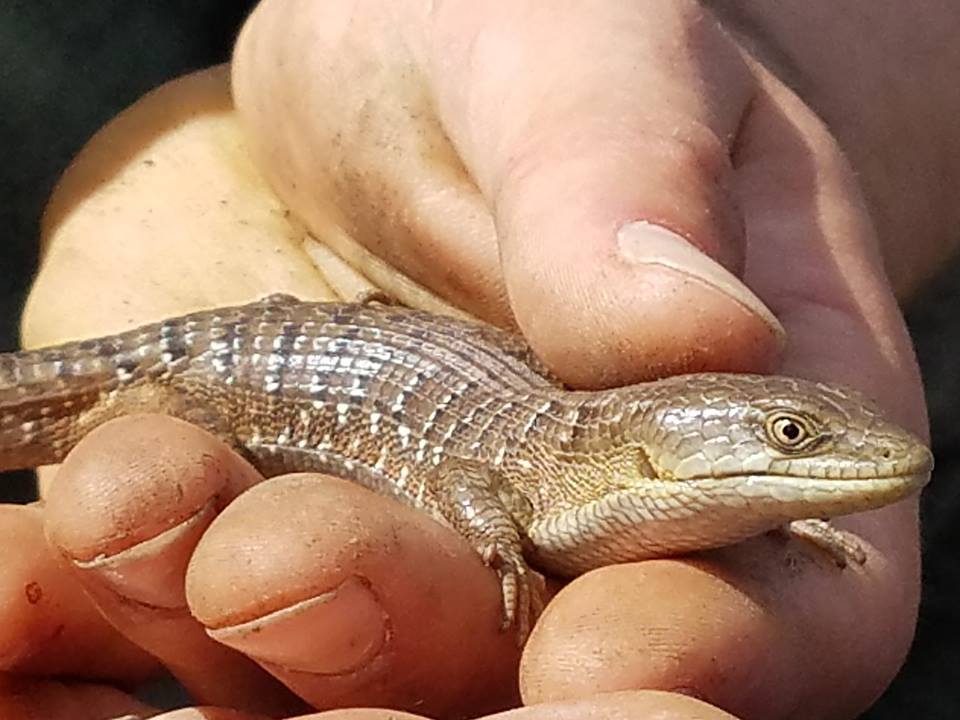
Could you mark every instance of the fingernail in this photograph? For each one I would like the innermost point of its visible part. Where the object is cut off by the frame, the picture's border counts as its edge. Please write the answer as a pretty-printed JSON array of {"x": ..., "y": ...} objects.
[
  {"x": 329, "y": 634},
  {"x": 152, "y": 572},
  {"x": 649, "y": 244}
]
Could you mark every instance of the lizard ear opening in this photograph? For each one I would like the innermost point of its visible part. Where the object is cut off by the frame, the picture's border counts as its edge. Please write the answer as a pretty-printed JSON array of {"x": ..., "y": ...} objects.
[
  {"x": 644, "y": 467},
  {"x": 631, "y": 468}
]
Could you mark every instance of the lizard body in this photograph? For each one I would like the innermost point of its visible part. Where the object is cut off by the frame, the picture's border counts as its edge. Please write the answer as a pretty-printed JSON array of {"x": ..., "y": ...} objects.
[{"x": 460, "y": 420}]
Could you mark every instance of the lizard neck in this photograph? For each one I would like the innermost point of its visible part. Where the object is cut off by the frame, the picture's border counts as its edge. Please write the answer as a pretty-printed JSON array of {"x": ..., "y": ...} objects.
[{"x": 573, "y": 447}]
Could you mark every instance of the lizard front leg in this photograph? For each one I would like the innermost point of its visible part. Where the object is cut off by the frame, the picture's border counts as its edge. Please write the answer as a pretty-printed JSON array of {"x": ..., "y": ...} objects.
[{"x": 470, "y": 497}]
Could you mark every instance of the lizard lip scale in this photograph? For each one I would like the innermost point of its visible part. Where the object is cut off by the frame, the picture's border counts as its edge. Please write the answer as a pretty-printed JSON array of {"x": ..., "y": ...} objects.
[{"x": 462, "y": 421}]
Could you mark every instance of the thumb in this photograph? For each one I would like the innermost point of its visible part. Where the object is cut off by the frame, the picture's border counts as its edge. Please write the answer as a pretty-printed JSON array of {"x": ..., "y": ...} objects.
[
  {"x": 567, "y": 128},
  {"x": 608, "y": 175}
]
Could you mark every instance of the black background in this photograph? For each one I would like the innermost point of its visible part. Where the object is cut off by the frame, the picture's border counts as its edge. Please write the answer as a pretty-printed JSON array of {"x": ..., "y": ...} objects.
[{"x": 67, "y": 68}]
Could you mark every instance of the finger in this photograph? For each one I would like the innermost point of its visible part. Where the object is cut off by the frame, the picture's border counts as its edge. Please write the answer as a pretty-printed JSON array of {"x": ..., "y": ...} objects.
[
  {"x": 126, "y": 509},
  {"x": 764, "y": 613},
  {"x": 843, "y": 320},
  {"x": 613, "y": 706},
  {"x": 746, "y": 610},
  {"x": 583, "y": 151},
  {"x": 621, "y": 706},
  {"x": 23, "y": 698},
  {"x": 48, "y": 625},
  {"x": 837, "y": 289},
  {"x": 844, "y": 326},
  {"x": 354, "y": 599},
  {"x": 352, "y": 714},
  {"x": 360, "y": 714},
  {"x": 609, "y": 178},
  {"x": 670, "y": 627},
  {"x": 206, "y": 713}
]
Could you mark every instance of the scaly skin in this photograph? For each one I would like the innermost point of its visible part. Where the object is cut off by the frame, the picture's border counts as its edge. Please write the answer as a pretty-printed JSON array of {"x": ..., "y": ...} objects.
[{"x": 461, "y": 421}]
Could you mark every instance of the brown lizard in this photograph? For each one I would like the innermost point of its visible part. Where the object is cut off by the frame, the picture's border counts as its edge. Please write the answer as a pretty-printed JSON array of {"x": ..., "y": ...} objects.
[{"x": 460, "y": 420}]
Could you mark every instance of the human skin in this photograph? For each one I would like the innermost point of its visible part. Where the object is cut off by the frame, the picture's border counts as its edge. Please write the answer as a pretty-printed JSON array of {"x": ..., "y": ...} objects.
[{"x": 506, "y": 144}]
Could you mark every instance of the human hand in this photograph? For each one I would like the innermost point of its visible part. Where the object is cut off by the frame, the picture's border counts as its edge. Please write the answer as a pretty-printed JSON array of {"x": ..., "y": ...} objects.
[
  {"x": 660, "y": 624},
  {"x": 574, "y": 125}
]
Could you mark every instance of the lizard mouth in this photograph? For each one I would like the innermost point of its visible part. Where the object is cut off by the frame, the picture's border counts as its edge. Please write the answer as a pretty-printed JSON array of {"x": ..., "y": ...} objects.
[
  {"x": 824, "y": 497},
  {"x": 913, "y": 471}
]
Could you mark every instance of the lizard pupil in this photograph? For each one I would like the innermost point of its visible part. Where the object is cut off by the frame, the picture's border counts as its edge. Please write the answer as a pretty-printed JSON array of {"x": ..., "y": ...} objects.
[{"x": 790, "y": 431}]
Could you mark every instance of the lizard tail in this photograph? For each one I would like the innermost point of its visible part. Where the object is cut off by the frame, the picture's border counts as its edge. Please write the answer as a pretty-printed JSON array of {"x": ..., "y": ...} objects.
[{"x": 42, "y": 393}]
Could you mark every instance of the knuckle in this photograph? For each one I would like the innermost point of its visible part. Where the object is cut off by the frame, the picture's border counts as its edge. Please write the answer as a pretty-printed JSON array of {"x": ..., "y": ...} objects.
[{"x": 690, "y": 148}]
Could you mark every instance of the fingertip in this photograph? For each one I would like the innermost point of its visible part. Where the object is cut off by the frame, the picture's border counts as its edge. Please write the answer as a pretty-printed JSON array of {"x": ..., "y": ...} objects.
[
  {"x": 625, "y": 705},
  {"x": 634, "y": 132},
  {"x": 646, "y": 244},
  {"x": 205, "y": 713},
  {"x": 669, "y": 627},
  {"x": 126, "y": 509},
  {"x": 618, "y": 275},
  {"x": 735, "y": 627},
  {"x": 135, "y": 479},
  {"x": 347, "y": 621},
  {"x": 638, "y": 304},
  {"x": 351, "y": 598},
  {"x": 361, "y": 714}
]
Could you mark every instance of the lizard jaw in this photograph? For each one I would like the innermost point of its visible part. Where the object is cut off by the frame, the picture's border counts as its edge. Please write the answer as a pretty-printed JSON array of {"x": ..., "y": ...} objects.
[{"x": 663, "y": 518}]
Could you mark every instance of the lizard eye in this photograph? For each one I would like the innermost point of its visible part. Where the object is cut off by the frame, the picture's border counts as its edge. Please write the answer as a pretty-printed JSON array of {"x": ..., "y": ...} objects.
[{"x": 788, "y": 431}]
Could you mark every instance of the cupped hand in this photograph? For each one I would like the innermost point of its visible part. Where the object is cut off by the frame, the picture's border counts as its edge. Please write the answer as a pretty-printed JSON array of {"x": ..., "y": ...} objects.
[{"x": 598, "y": 178}]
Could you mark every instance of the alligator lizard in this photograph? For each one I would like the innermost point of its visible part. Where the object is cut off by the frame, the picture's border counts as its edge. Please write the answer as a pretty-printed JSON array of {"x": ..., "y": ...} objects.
[{"x": 461, "y": 420}]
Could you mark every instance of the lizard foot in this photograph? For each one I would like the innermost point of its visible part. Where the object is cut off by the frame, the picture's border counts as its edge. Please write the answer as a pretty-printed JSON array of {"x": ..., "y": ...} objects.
[
  {"x": 279, "y": 299},
  {"x": 522, "y": 588},
  {"x": 841, "y": 546},
  {"x": 375, "y": 296}
]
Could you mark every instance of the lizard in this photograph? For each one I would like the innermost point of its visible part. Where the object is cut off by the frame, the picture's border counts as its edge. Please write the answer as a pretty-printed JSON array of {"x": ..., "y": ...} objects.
[{"x": 462, "y": 421}]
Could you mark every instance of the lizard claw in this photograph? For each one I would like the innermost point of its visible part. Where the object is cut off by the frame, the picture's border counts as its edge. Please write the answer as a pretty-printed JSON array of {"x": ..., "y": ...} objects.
[{"x": 522, "y": 588}]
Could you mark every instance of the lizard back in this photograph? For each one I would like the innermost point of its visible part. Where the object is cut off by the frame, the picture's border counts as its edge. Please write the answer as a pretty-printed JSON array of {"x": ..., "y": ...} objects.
[{"x": 368, "y": 391}]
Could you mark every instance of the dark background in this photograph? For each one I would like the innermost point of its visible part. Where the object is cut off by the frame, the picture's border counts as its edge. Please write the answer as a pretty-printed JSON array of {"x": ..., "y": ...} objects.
[{"x": 67, "y": 68}]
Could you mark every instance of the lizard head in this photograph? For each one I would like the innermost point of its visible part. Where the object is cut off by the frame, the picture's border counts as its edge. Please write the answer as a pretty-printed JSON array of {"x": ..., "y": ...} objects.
[
  {"x": 705, "y": 460},
  {"x": 827, "y": 449}
]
